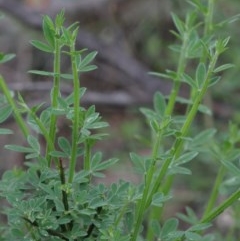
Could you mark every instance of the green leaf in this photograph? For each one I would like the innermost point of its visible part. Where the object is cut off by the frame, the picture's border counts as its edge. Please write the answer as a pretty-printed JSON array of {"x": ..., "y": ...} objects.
[
  {"x": 105, "y": 164},
  {"x": 155, "y": 126},
  {"x": 32, "y": 155},
  {"x": 159, "y": 75},
  {"x": 179, "y": 24},
  {"x": 97, "y": 202},
  {"x": 91, "y": 117},
  {"x": 96, "y": 159},
  {"x": 138, "y": 162},
  {"x": 194, "y": 47},
  {"x": 190, "y": 236},
  {"x": 229, "y": 20},
  {"x": 183, "y": 100},
  {"x": 4, "y": 131},
  {"x": 190, "y": 217},
  {"x": 67, "y": 76},
  {"x": 5, "y": 112},
  {"x": 59, "y": 205},
  {"x": 203, "y": 137},
  {"x": 59, "y": 154},
  {"x": 98, "y": 174},
  {"x": 186, "y": 157},
  {"x": 45, "y": 117},
  {"x": 176, "y": 35},
  {"x": 88, "y": 59},
  {"x": 6, "y": 57},
  {"x": 159, "y": 103},
  {"x": 187, "y": 79},
  {"x": 81, "y": 177},
  {"x": 201, "y": 75},
  {"x": 159, "y": 198},
  {"x": 87, "y": 68},
  {"x": 59, "y": 20},
  {"x": 49, "y": 30},
  {"x": 179, "y": 170},
  {"x": 176, "y": 235},
  {"x": 199, "y": 5},
  {"x": 204, "y": 109},
  {"x": 97, "y": 125},
  {"x": 83, "y": 64},
  {"x": 199, "y": 227},
  {"x": 223, "y": 67},
  {"x": 172, "y": 74},
  {"x": 214, "y": 80},
  {"x": 18, "y": 232},
  {"x": 18, "y": 148},
  {"x": 42, "y": 46},
  {"x": 149, "y": 114},
  {"x": 169, "y": 226},
  {"x": 168, "y": 75},
  {"x": 58, "y": 111},
  {"x": 33, "y": 142},
  {"x": 66, "y": 35},
  {"x": 64, "y": 145},
  {"x": 43, "y": 73},
  {"x": 175, "y": 47},
  {"x": 155, "y": 226},
  {"x": 221, "y": 45},
  {"x": 232, "y": 168}
]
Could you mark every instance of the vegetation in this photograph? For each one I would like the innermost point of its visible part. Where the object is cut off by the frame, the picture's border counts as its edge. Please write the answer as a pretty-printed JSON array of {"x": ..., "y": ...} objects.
[{"x": 56, "y": 198}]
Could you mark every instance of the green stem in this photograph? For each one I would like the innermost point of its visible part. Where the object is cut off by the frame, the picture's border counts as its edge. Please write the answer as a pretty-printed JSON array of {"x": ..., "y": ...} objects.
[
  {"x": 208, "y": 25},
  {"x": 42, "y": 128},
  {"x": 214, "y": 193},
  {"x": 156, "y": 211},
  {"x": 148, "y": 181},
  {"x": 221, "y": 208},
  {"x": 87, "y": 156},
  {"x": 208, "y": 29},
  {"x": 180, "y": 70},
  {"x": 68, "y": 226},
  {"x": 177, "y": 148},
  {"x": 55, "y": 93},
  {"x": 18, "y": 117},
  {"x": 121, "y": 214},
  {"x": 76, "y": 96},
  {"x": 168, "y": 112}
]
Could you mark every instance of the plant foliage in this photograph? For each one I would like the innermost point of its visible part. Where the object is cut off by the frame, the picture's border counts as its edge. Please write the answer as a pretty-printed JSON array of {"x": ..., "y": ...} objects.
[{"x": 56, "y": 198}]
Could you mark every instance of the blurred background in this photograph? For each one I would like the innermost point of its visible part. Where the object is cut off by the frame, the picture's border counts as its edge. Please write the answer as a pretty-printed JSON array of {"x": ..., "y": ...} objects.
[{"x": 132, "y": 37}]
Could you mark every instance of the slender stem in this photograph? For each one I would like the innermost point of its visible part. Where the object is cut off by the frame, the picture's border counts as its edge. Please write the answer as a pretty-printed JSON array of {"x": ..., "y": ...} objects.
[
  {"x": 177, "y": 148},
  {"x": 121, "y": 214},
  {"x": 87, "y": 156},
  {"x": 68, "y": 226},
  {"x": 156, "y": 211},
  {"x": 208, "y": 26},
  {"x": 180, "y": 70},
  {"x": 221, "y": 208},
  {"x": 18, "y": 117},
  {"x": 43, "y": 129},
  {"x": 55, "y": 93},
  {"x": 148, "y": 181},
  {"x": 168, "y": 112},
  {"x": 75, "y": 130},
  {"x": 214, "y": 193},
  {"x": 208, "y": 29}
]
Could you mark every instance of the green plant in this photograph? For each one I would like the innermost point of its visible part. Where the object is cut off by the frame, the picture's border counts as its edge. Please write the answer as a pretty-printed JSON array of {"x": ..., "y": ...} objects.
[{"x": 53, "y": 198}]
